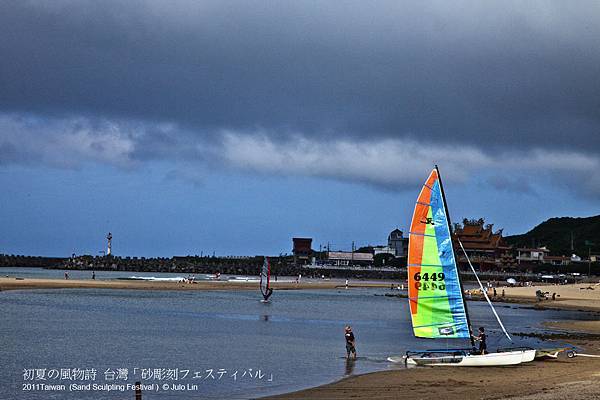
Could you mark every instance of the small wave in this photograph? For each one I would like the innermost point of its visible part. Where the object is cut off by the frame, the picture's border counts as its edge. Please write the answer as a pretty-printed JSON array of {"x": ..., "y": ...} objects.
[{"x": 153, "y": 278}]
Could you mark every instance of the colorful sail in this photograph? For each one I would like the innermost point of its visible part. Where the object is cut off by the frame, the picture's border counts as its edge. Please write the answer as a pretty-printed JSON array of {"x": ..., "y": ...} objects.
[
  {"x": 265, "y": 278},
  {"x": 436, "y": 303}
]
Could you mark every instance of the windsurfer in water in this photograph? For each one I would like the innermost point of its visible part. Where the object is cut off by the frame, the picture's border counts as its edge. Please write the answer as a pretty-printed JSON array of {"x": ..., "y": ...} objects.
[
  {"x": 481, "y": 338},
  {"x": 350, "y": 343},
  {"x": 269, "y": 293}
]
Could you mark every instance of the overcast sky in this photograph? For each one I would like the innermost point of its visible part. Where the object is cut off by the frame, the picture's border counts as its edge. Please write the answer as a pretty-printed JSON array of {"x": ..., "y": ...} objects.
[{"x": 189, "y": 126}]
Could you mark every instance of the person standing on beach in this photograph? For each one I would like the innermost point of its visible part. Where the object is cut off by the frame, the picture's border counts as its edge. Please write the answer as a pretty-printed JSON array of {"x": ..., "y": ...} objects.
[
  {"x": 350, "y": 342},
  {"x": 93, "y": 275},
  {"x": 481, "y": 338}
]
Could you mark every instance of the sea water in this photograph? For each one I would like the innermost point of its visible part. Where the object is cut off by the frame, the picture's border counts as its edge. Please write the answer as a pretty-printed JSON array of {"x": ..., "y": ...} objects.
[{"x": 209, "y": 344}]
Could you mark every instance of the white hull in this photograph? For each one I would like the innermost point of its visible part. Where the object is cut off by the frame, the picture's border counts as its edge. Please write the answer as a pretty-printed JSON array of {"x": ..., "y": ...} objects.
[
  {"x": 470, "y": 360},
  {"x": 528, "y": 355}
]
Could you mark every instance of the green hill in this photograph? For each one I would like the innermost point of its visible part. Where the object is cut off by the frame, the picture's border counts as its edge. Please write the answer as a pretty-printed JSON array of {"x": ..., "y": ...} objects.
[{"x": 555, "y": 234}]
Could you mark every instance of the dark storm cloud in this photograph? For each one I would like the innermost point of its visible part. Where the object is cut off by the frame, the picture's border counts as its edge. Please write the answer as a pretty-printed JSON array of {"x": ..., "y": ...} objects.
[
  {"x": 492, "y": 75},
  {"x": 511, "y": 184}
]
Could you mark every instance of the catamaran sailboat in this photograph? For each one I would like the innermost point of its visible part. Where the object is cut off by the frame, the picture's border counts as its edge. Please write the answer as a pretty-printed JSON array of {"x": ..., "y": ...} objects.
[
  {"x": 437, "y": 306},
  {"x": 265, "y": 280}
]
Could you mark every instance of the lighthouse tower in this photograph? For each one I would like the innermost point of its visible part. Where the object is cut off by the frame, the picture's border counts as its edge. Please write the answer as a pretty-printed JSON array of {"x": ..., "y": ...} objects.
[{"x": 109, "y": 239}]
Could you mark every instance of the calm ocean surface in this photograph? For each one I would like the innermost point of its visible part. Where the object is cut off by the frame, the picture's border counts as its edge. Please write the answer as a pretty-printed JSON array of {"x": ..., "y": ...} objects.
[{"x": 296, "y": 341}]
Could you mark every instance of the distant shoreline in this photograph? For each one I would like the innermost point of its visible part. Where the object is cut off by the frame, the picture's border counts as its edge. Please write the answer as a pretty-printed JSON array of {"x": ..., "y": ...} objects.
[
  {"x": 46, "y": 283},
  {"x": 584, "y": 297}
]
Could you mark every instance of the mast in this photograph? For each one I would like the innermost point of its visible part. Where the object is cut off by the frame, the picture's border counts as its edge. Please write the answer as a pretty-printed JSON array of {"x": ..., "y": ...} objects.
[{"x": 462, "y": 292}]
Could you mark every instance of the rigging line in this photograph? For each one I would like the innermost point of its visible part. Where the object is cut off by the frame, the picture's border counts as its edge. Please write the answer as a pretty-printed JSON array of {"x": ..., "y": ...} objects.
[{"x": 483, "y": 290}]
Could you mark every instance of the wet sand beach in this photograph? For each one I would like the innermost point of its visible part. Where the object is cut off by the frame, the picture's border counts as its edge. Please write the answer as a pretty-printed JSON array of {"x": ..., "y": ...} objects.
[{"x": 563, "y": 378}]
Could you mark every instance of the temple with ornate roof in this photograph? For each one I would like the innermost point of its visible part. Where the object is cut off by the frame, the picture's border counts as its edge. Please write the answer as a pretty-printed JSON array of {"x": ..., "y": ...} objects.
[{"x": 486, "y": 248}]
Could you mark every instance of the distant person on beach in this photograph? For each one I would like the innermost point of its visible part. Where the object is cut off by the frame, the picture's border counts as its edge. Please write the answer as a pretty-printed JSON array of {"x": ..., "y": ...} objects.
[
  {"x": 350, "y": 343},
  {"x": 93, "y": 275},
  {"x": 66, "y": 275},
  {"x": 481, "y": 338}
]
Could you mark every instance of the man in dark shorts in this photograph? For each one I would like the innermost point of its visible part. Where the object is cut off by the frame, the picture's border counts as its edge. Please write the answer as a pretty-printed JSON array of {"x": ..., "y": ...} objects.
[
  {"x": 481, "y": 338},
  {"x": 350, "y": 345}
]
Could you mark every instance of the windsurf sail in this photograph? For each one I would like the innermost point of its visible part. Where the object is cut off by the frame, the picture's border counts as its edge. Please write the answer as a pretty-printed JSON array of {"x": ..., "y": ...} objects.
[
  {"x": 437, "y": 307},
  {"x": 265, "y": 279}
]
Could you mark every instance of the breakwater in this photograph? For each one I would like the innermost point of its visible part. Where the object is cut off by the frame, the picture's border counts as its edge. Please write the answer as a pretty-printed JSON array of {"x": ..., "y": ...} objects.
[
  {"x": 280, "y": 266},
  {"x": 11, "y": 260}
]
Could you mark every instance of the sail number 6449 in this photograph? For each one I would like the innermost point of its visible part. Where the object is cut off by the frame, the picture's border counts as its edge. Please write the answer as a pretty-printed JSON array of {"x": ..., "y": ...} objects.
[{"x": 429, "y": 281}]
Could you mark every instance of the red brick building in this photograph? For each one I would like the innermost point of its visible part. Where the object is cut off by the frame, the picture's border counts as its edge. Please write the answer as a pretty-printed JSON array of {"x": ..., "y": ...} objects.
[{"x": 302, "y": 250}]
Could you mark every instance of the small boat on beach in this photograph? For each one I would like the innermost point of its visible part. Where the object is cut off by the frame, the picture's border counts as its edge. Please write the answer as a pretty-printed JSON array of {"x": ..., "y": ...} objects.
[
  {"x": 436, "y": 298},
  {"x": 465, "y": 358}
]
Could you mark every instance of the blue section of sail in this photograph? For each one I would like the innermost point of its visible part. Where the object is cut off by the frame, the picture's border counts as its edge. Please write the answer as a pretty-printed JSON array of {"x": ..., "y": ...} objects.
[{"x": 446, "y": 254}]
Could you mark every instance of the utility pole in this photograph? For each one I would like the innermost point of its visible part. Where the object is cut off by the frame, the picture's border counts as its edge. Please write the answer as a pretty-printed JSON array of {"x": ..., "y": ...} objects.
[
  {"x": 589, "y": 244},
  {"x": 572, "y": 247}
]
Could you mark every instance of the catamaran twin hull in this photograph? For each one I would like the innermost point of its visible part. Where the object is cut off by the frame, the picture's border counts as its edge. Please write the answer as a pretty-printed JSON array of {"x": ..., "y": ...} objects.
[{"x": 464, "y": 359}]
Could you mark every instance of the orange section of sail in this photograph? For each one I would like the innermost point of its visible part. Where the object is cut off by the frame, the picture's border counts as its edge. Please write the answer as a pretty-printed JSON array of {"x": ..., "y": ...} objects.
[{"x": 415, "y": 244}]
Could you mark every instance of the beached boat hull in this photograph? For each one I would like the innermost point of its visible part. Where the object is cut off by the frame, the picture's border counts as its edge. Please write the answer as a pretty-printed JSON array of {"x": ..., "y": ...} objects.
[
  {"x": 468, "y": 360},
  {"x": 528, "y": 355}
]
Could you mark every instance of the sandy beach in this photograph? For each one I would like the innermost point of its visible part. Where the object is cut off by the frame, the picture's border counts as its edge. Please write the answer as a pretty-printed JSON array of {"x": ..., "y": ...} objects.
[
  {"x": 573, "y": 378},
  {"x": 563, "y": 378},
  {"x": 582, "y": 296}
]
